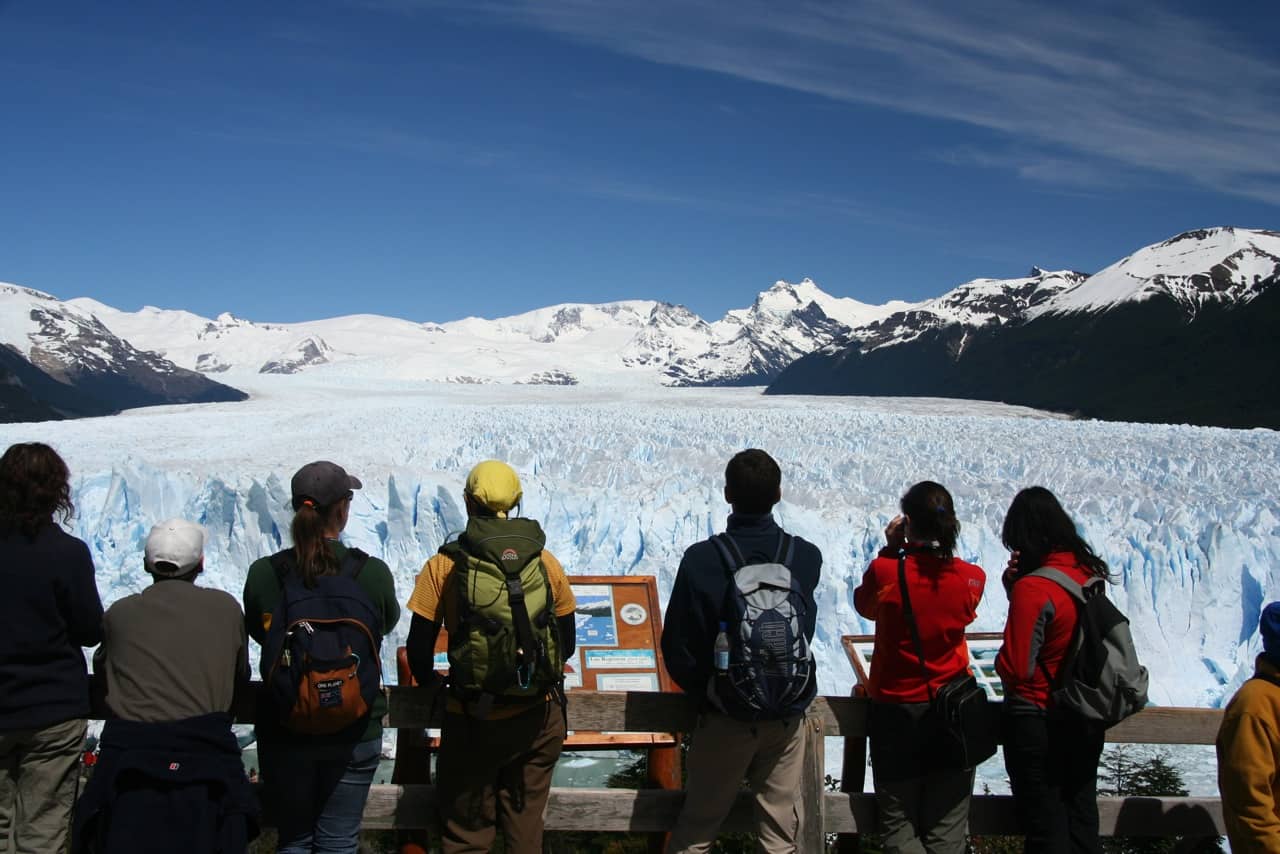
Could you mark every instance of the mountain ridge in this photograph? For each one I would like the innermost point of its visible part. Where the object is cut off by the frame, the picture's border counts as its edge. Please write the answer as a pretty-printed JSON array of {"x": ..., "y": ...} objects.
[{"x": 660, "y": 343}]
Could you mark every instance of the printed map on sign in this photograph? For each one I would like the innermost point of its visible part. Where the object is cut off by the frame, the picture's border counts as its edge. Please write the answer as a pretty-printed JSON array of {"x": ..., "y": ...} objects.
[{"x": 594, "y": 616}]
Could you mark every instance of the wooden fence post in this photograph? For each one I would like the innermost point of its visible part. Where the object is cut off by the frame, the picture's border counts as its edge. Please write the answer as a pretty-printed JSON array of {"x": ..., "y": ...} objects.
[
  {"x": 813, "y": 787},
  {"x": 663, "y": 770},
  {"x": 853, "y": 777}
]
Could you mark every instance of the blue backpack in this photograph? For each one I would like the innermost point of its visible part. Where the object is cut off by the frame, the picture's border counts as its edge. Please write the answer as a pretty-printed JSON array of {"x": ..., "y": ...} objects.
[
  {"x": 771, "y": 668},
  {"x": 320, "y": 660}
]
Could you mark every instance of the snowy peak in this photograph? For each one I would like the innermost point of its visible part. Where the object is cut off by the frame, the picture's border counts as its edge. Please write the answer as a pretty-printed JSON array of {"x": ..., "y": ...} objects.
[
  {"x": 975, "y": 304},
  {"x": 1209, "y": 265}
]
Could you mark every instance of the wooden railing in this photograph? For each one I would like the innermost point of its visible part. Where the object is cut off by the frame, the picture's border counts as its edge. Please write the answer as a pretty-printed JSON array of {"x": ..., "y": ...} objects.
[{"x": 850, "y": 812}]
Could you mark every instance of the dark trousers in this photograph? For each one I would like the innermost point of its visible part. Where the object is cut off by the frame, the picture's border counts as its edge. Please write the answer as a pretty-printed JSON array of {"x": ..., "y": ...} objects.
[
  {"x": 498, "y": 770},
  {"x": 1052, "y": 762},
  {"x": 923, "y": 808}
]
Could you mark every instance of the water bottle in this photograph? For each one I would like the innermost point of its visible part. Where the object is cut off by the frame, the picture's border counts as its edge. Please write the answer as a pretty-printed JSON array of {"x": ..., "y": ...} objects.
[{"x": 722, "y": 649}]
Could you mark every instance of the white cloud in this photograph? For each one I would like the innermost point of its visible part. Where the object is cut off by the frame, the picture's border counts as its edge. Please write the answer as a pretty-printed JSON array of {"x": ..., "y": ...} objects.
[{"x": 1137, "y": 87}]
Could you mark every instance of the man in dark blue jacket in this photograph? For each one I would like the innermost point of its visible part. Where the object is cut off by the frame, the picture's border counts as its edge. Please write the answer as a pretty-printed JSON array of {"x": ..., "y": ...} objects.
[{"x": 733, "y": 741}]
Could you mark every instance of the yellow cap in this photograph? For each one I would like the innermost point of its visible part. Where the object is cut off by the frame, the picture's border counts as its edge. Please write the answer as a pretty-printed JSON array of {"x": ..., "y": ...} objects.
[{"x": 495, "y": 485}]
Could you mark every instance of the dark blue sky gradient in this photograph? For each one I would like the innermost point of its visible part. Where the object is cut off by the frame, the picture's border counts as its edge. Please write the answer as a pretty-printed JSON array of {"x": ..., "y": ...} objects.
[{"x": 287, "y": 161}]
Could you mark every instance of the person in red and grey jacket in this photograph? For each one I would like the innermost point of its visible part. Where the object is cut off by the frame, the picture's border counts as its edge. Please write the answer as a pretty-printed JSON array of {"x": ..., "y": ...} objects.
[
  {"x": 922, "y": 807},
  {"x": 1051, "y": 755}
]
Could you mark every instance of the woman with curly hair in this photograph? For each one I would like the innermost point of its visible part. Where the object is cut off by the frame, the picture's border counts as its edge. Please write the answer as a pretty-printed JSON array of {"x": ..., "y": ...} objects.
[{"x": 50, "y": 608}]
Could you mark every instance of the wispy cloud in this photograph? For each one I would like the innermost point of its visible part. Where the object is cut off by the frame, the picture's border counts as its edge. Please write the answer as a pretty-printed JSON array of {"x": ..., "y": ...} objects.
[{"x": 1135, "y": 88}]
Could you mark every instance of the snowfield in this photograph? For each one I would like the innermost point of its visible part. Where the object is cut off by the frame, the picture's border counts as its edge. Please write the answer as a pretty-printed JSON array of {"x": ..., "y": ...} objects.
[{"x": 624, "y": 479}]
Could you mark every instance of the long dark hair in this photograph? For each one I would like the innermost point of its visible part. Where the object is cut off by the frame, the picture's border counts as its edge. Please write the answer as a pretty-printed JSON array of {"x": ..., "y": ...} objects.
[
  {"x": 1036, "y": 525},
  {"x": 35, "y": 486},
  {"x": 310, "y": 549},
  {"x": 932, "y": 516}
]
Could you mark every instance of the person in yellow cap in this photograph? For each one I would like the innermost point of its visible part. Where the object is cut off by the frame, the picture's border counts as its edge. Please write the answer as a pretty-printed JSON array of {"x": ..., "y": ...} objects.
[{"x": 507, "y": 608}]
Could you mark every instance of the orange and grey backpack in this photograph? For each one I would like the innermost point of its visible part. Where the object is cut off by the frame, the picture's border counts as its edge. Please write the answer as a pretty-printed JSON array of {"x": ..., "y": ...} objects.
[{"x": 320, "y": 659}]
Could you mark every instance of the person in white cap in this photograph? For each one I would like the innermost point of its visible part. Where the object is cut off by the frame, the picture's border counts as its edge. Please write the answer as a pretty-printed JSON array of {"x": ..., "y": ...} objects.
[
  {"x": 147, "y": 680},
  {"x": 169, "y": 775}
]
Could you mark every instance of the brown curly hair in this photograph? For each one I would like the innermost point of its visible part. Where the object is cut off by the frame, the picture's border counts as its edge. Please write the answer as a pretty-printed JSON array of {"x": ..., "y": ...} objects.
[{"x": 35, "y": 486}]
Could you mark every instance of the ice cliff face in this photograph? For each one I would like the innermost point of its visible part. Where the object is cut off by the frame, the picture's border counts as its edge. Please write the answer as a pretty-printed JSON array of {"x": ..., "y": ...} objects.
[{"x": 623, "y": 483}]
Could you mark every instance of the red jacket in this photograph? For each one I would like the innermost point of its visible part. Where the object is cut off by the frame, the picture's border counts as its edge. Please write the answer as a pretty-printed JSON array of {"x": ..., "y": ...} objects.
[
  {"x": 944, "y": 598},
  {"x": 1042, "y": 620}
]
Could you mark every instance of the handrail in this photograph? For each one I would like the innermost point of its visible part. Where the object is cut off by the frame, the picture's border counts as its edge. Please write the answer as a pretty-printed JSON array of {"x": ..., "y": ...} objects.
[{"x": 654, "y": 810}]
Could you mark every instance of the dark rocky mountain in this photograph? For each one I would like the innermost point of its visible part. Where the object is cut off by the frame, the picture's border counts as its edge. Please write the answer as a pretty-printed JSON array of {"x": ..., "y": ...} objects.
[
  {"x": 1178, "y": 332},
  {"x": 59, "y": 362}
]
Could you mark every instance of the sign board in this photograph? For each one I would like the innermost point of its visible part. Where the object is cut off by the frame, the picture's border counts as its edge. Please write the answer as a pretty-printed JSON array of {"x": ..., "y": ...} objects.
[{"x": 983, "y": 647}]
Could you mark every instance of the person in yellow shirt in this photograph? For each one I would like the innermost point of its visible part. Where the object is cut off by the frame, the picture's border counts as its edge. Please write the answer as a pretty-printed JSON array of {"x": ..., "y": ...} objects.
[
  {"x": 507, "y": 608},
  {"x": 1249, "y": 750}
]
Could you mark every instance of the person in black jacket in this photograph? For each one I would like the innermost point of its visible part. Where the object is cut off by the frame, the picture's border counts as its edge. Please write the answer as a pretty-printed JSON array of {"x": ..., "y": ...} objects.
[
  {"x": 728, "y": 745},
  {"x": 49, "y": 608}
]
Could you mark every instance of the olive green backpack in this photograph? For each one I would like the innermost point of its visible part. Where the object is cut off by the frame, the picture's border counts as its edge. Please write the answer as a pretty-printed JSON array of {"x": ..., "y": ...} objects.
[{"x": 505, "y": 648}]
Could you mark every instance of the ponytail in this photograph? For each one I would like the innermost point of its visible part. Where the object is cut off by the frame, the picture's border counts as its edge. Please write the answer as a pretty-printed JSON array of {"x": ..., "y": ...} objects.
[
  {"x": 932, "y": 516},
  {"x": 310, "y": 547}
]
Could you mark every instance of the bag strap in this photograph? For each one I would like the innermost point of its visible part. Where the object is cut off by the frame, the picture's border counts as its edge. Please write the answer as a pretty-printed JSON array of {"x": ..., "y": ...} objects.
[
  {"x": 353, "y": 562},
  {"x": 911, "y": 619},
  {"x": 1079, "y": 594},
  {"x": 283, "y": 563}
]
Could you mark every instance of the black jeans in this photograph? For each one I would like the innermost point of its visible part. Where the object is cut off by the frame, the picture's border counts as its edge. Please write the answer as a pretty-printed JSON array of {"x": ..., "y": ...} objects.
[{"x": 1052, "y": 762}]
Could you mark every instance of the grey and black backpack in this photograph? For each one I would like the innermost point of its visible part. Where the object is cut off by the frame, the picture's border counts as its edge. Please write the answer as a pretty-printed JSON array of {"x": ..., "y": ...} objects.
[
  {"x": 1101, "y": 678},
  {"x": 771, "y": 674}
]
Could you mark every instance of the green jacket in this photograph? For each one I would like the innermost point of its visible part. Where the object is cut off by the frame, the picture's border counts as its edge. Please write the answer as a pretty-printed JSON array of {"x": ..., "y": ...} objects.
[{"x": 261, "y": 595}]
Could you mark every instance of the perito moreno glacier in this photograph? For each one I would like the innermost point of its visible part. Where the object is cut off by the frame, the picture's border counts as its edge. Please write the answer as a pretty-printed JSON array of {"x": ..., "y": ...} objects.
[{"x": 624, "y": 480}]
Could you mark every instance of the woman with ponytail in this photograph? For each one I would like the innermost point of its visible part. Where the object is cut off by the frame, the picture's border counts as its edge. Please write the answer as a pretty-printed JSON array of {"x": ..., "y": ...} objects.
[
  {"x": 923, "y": 804},
  {"x": 1051, "y": 756},
  {"x": 317, "y": 784}
]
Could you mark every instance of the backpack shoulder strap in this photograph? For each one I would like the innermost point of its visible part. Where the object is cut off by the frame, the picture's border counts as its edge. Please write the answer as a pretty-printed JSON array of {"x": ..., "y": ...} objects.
[
  {"x": 283, "y": 563},
  {"x": 729, "y": 552},
  {"x": 1066, "y": 582},
  {"x": 786, "y": 549},
  {"x": 353, "y": 562}
]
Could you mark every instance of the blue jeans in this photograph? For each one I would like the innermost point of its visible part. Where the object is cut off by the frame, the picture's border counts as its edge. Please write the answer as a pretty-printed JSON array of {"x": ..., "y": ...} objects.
[{"x": 317, "y": 803}]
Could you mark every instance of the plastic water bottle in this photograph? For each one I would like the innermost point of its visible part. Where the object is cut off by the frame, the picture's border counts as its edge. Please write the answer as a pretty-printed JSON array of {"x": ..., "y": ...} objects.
[{"x": 722, "y": 649}]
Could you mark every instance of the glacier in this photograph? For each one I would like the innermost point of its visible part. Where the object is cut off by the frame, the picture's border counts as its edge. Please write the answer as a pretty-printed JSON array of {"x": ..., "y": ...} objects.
[{"x": 623, "y": 479}]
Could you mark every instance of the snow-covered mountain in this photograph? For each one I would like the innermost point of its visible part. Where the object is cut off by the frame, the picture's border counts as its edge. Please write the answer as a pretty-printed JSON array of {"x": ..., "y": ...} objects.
[
  {"x": 61, "y": 361},
  {"x": 1179, "y": 331},
  {"x": 622, "y": 342},
  {"x": 972, "y": 305},
  {"x": 1220, "y": 266}
]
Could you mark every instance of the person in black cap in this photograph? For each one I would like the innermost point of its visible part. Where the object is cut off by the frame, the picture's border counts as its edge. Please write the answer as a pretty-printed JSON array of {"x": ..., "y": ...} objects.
[
  {"x": 318, "y": 784},
  {"x": 1248, "y": 747}
]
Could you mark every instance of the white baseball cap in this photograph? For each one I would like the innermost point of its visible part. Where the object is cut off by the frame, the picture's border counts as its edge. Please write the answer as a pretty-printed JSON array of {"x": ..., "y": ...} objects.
[{"x": 174, "y": 547}]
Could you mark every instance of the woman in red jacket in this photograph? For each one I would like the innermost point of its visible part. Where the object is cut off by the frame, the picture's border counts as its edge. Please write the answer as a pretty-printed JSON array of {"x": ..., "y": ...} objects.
[
  {"x": 922, "y": 805},
  {"x": 1051, "y": 756}
]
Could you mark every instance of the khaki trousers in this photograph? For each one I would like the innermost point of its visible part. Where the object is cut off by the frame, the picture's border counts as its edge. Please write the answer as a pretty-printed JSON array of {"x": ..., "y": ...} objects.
[
  {"x": 497, "y": 770},
  {"x": 37, "y": 787},
  {"x": 769, "y": 755}
]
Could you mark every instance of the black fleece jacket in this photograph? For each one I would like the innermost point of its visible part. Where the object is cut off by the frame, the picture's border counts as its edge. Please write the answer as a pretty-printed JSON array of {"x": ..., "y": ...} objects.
[
  {"x": 692, "y": 618},
  {"x": 49, "y": 608}
]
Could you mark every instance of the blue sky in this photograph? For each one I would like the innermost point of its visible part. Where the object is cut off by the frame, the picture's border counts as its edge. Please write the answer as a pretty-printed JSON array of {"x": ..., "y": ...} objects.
[{"x": 431, "y": 160}]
